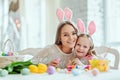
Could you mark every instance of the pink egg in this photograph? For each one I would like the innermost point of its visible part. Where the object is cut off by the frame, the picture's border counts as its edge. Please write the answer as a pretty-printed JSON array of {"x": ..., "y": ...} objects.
[
  {"x": 57, "y": 60},
  {"x": 51, "y": 70},
  {"x": 10, "y": 54},
  {"x": 95, "y": 72}
]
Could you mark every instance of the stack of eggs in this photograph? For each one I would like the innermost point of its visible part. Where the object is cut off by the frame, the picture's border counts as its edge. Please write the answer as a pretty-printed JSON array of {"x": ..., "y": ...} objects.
[
  {"x": 7, "y": 53},
  {"x": 40, "y": 68}
]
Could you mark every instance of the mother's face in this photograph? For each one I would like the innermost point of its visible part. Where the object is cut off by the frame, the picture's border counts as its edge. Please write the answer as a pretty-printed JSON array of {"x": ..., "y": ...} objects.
[{"x": 68, "y": 36}]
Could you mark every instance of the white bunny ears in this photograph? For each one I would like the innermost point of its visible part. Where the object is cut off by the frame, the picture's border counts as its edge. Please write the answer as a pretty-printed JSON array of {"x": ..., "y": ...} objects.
[
  {"x": 91, "y": 27},
  {"x": 67, "y": 13}
]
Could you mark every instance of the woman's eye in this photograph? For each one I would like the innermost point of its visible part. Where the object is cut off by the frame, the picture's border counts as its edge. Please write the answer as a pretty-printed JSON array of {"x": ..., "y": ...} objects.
[
  {"x": 65, "y": 35},
  {"x": 74, "y": 33}
]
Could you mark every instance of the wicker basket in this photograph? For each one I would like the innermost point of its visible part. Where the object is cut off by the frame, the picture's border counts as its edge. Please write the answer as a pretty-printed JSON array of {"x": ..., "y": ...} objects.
[{"x": 5, "y": 60}]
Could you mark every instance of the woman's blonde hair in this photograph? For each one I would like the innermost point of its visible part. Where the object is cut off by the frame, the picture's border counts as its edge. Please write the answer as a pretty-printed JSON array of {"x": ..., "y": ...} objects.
[
  {"x": 58, "y": 33},
  {"x": 91, "y": 50}
]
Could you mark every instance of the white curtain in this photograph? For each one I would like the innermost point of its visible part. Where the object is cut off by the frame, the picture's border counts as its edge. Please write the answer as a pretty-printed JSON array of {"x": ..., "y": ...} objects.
[
  {"x": 31, "y": 31},
  {"x": 113, "y": 22},
  {"x": 95, "y": 12}
]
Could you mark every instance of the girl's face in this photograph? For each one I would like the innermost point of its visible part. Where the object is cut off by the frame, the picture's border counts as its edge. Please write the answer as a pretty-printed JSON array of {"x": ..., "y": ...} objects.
[
  {"x": 68, "y": 36},
  {"x": 82, "y": 47}
]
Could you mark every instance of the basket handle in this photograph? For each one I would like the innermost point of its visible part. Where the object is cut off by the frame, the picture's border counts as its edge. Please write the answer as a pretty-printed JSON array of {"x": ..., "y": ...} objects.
[{"x": 4, "y": 45}]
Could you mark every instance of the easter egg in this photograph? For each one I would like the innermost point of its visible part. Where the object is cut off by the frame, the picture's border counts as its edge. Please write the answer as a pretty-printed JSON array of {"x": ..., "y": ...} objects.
[
  {"x": 95, "y": 72},
  {"x": 0, "y": 71},
  {"x": 75, "y": 72},
  {"x": 77, "y": 67},
  {"x": 3, "y": 73},
  {"x": 42, "y": 68},
  {"x": 25, "y": 71},
  {"x": 51, "y": 70},
  {"x": 10, "y": 54},
  {"x": 69, "y": 68},
  {"x": 33, "y": 68},
  {"x": 57, "y": 60},
  {"x": 4, "y": 54},
  {"x": 57, "y": 69},
  {"x": 87, "y": 67}
]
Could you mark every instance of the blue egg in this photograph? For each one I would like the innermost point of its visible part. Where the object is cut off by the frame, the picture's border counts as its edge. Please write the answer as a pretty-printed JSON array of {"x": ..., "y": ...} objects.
[
  {"x": 77, "y": 67},
  {"x": 5, "y": 54},
  {"x": 3, "y": 73},
  {"x": 75, "y": 72},
  {"x": 25, "y": 71}
]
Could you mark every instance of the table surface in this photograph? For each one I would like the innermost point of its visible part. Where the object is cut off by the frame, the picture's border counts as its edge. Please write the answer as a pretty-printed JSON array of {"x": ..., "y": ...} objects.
[{"x": 110, "y": 75}]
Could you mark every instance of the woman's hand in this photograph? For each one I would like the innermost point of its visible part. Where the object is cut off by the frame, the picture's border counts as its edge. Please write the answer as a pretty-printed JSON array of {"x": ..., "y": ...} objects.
[{"x": 54, "y": 62}]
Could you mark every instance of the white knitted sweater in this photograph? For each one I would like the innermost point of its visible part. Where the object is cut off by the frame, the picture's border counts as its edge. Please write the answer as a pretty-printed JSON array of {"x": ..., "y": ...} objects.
[{"x": 50, "y": 53}]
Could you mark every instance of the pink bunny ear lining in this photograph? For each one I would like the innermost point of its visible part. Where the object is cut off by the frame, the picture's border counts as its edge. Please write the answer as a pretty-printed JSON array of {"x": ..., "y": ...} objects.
[
  {"x": 80, "y": 25},
  {"x": 68, "y": 13},
  {"x": 92, "y": 28},
  {"x": 60, "y": 14}
]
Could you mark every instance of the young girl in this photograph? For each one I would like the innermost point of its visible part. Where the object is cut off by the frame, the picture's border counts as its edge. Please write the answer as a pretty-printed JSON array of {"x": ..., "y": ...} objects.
[{"x": 84, "y": 49}]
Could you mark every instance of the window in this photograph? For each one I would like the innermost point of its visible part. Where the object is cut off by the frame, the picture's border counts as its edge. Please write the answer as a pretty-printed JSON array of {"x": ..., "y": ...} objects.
[{"x": 112, "y": 20}]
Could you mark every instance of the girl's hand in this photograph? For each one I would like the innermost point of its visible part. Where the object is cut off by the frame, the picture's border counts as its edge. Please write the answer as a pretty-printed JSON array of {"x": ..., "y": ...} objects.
[
  {"x": 69, "y": 63},
  {"x": 76, "y": 61}
]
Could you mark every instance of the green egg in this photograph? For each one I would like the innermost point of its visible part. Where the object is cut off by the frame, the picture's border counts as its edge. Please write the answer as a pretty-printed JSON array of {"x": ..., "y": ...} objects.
[
  {"x": 0, "y": 71},
  {"x": 3, "y": 73},
  {"x": 25, "y": 71}
]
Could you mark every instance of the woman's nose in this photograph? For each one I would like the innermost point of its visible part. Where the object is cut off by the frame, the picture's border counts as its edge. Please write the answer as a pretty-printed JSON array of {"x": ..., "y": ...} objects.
[{"x": 70, "y": 37}]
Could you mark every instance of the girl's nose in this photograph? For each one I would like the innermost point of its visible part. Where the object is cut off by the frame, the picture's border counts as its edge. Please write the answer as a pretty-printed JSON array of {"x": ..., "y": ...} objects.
[{"x": 80, "y": 47}]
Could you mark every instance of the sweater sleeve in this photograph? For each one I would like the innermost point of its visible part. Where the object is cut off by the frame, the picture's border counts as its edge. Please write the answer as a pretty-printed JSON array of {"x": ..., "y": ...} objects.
[{"x": 42, "y": 56}]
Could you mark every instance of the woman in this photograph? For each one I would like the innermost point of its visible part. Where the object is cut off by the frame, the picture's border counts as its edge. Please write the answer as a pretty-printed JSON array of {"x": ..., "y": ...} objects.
[{"x": 63, "y": 48}]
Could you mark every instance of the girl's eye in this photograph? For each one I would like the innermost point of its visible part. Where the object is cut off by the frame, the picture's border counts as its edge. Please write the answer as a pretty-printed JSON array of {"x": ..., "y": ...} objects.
[
  {"x": 85, "y": 46},
  {"x": 78, "y": 44}
]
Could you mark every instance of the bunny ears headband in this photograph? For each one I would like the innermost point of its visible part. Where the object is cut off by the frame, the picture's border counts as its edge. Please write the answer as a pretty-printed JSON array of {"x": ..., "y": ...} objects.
[
  {"x": 91, "y": 27},
  {"x": 61, "y": 13},
  {"x": 68, "y": 14}
]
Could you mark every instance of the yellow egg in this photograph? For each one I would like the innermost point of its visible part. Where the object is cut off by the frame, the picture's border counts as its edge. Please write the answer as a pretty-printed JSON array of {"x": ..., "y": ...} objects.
[
  {"x": 58, "y": 69},
  {"x": 33, "y": 68},
  {"x": 42, "y": 68}
]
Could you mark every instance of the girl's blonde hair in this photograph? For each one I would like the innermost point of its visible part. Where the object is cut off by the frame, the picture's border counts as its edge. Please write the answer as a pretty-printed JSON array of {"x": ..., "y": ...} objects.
[{"x": 91, "y": 50}]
